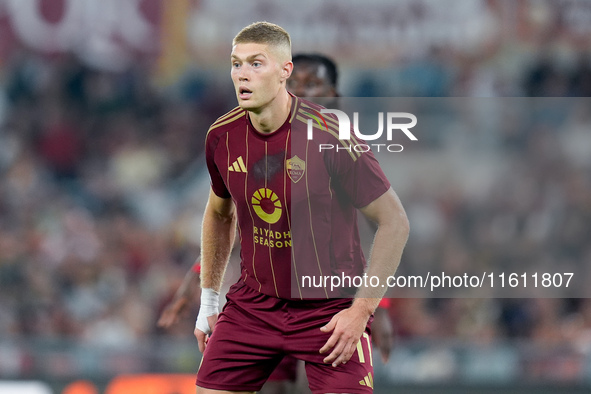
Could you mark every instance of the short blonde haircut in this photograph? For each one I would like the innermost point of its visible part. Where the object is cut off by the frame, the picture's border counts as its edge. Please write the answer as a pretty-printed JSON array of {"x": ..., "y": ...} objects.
[{"x": 266, "y": 33}]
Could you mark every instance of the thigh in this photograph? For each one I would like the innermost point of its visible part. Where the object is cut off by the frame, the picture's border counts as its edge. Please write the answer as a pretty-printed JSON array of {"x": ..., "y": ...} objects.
[
  {"x": 306, "y": 339},
  {"x": 356, "y": 376},
  {"x": 242, "y": 351}
]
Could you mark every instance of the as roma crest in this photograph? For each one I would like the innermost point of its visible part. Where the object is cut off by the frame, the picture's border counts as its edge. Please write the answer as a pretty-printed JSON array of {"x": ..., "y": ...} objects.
[{"x": 295, "y": 168}]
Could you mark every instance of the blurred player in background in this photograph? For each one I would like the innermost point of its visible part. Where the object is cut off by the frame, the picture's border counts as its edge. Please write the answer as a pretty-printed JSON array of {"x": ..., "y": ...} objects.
[
  {"x": 313, "y": 75},
  {"x": 183, "y": 297}
]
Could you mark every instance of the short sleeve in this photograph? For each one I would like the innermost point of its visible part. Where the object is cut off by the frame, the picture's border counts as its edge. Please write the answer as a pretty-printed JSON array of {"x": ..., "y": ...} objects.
[
  {"x": 217, "y": 181},
  {"x": 358, "y": 175}
]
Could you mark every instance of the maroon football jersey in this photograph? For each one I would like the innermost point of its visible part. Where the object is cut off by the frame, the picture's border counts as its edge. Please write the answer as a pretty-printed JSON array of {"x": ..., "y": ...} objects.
[{"x": 296, "y": 204}]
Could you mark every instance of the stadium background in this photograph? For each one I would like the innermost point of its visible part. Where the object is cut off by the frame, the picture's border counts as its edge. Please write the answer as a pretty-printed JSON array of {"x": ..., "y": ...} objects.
[{"x": 103, "y": 110}]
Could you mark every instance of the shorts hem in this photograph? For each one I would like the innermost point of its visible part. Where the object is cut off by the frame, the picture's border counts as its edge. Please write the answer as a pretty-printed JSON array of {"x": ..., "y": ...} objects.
[
  {"x": 227, "y": 387},
  {"x": 343, "y": 391}
]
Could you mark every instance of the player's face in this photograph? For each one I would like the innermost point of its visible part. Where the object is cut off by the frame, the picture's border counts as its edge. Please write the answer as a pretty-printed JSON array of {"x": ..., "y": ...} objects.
[
  {"x": 257, "y": 74},
  {"x": 310, "y": 80}
]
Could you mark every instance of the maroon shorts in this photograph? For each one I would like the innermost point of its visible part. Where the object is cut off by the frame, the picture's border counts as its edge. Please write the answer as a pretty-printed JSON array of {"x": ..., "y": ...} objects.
[
  {"x": 254, "y": 333},
  {"x": 286, "y": 370}
]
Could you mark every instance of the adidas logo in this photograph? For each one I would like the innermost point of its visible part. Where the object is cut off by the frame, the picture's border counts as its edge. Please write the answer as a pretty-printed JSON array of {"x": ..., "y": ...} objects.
[
  {"x": 367, "y": 381},
  {"x": 238, "y": 165}
]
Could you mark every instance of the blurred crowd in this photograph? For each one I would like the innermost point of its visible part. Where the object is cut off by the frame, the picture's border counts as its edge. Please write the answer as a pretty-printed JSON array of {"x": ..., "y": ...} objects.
[
  {"x": 94, "y": 166},
  {"x": 98, "y": 223}
]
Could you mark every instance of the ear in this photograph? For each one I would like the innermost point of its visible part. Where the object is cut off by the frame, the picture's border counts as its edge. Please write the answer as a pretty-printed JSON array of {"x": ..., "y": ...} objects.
[{"x": 286, "y": 70}]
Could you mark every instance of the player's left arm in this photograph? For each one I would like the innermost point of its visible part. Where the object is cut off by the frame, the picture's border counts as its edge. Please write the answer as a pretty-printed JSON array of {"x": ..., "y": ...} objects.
[{"x": 348, "y": 325}]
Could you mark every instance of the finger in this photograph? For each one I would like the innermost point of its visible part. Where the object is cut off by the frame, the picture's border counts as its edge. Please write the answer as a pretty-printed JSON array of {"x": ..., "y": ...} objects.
[
  {"x": 346, "y": 354},
  {"x": 336, "y": 352},
  {"x": 332, "y": 341},
  {"x": 330, "y": 359},
  {"x": 328, "y": 327},
  {"x": 201, "y": 339}
]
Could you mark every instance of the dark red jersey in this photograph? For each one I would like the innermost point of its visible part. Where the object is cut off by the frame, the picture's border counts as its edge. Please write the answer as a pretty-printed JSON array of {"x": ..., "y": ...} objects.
[{"x": 295, "y": 203}]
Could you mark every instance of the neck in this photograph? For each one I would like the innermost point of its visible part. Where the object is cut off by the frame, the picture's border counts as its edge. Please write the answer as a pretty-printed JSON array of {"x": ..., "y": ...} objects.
[{"x": 272, "y": 117}]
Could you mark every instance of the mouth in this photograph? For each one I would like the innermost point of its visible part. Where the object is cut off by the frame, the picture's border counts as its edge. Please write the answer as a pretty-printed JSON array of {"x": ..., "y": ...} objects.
[{"x": 244, "y": 93}]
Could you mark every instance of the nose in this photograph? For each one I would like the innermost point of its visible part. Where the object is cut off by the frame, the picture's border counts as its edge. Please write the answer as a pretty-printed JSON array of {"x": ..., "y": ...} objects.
[{"x": 242, "y": 74}]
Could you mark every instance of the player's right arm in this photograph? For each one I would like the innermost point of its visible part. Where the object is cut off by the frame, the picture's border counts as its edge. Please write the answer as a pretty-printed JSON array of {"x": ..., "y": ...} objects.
[{"x": 217, "y": 238}]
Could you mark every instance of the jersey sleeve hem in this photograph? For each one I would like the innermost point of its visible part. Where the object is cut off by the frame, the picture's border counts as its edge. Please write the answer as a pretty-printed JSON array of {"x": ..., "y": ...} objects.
[{"x": 374, "y": 195}]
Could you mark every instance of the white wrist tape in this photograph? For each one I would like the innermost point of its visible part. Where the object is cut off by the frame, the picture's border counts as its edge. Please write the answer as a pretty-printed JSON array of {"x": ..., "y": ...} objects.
[{"x": 210, "y": 300}]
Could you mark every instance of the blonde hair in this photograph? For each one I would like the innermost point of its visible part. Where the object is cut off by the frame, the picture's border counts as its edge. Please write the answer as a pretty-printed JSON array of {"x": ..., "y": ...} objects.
[{"x": 266, "y": 33}]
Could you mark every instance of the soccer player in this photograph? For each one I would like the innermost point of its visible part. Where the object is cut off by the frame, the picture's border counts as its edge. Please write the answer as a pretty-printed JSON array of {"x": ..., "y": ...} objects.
[
  {"x": 267, "y": 179},
  {"x": 314, "y": 75}
]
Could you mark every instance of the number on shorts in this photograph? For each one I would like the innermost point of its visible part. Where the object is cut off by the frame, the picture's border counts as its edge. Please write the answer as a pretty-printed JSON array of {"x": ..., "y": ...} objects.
[{"x": 360, "y": 349}]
